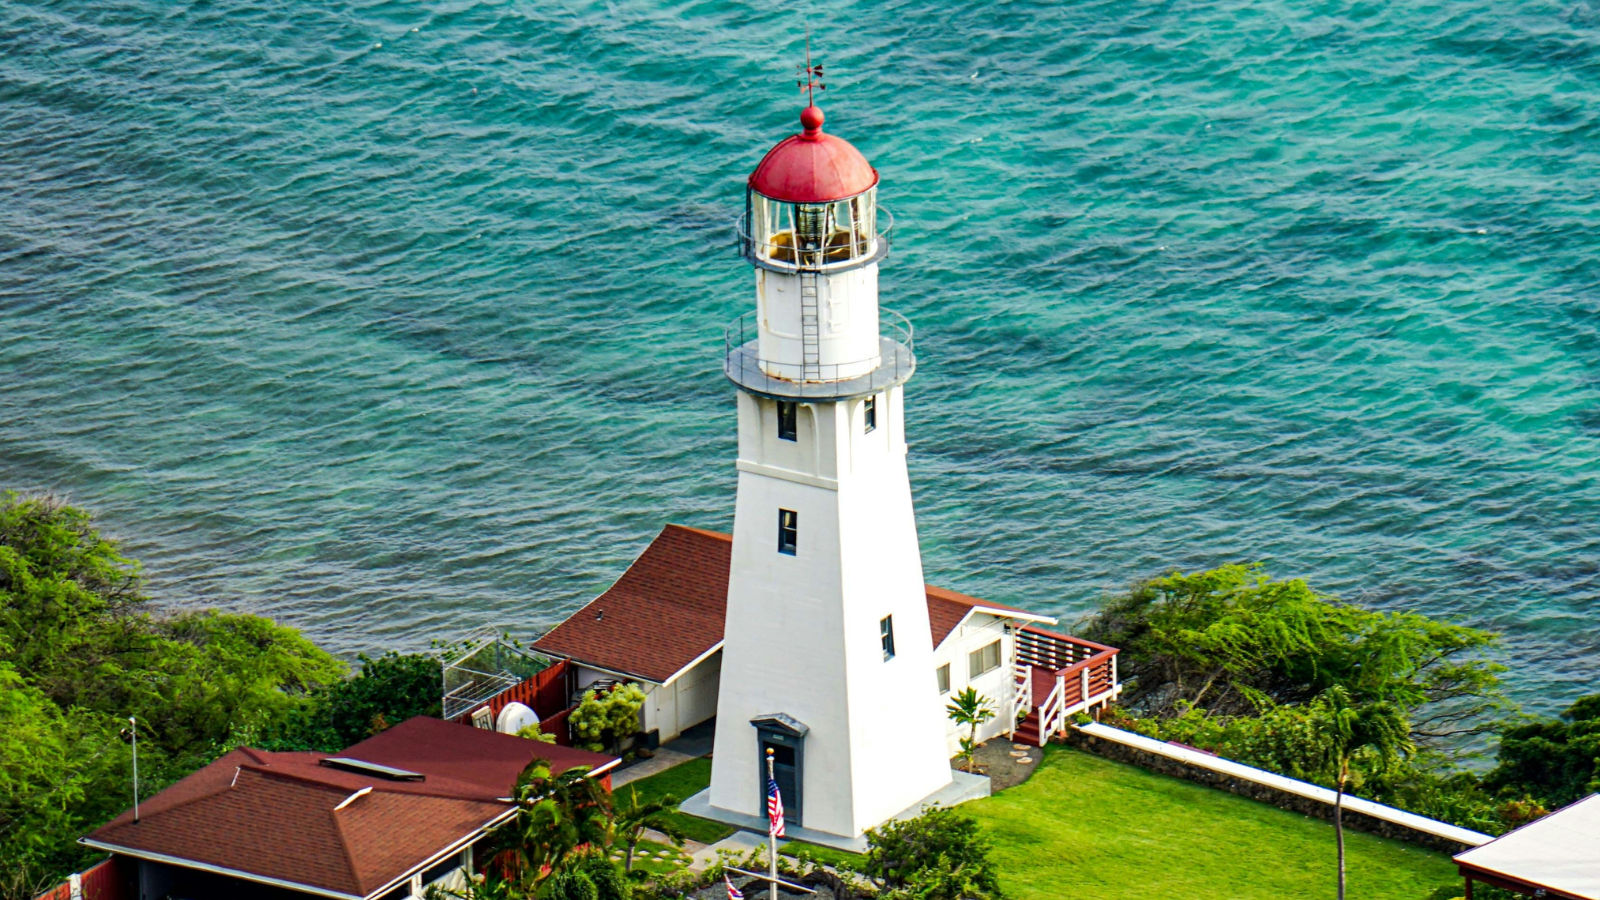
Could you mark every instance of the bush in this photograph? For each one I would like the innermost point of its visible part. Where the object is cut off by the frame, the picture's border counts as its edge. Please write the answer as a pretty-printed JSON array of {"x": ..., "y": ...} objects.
[
  {"x": 939, "y": 855},
  {"x": 607, "y": 877},
  {"x": 568, "y": 885}
]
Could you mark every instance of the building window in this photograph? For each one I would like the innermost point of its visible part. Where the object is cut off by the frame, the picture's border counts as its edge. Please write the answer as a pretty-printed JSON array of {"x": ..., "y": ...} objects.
[
  {"x": 983, "y": 659},
  {"x": 788, "y": 531},
  {"x": 886, "y": 636},
  {"x": 941, "y": 675},
  {"x": 787, "y": 416},
  {"x": 870, "y": 410}
]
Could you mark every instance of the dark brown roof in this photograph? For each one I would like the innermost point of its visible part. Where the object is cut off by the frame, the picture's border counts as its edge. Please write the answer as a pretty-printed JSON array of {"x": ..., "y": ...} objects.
[
  {"x": 668, "y": 609},
  {"x": 662, "y": 614},
  {"x": 273, "y": 815}
]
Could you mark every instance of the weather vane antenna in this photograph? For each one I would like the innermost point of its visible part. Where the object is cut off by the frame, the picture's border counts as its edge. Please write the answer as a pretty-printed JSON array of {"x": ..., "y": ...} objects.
[{"x": 811, "y": 75}]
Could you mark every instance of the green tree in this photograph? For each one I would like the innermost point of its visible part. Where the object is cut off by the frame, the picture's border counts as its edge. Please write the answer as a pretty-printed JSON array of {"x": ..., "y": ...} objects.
[
  {"x": 388, "y": 689},
  {"x": 971, "y": 709},
  {"x": 1227, "y": 639},
  {"x": 634, "y": 817},
  {"x": 561, "y": 816},
  {"x": 1554, "y": 761},
  {"x": 1346, "y": 729},
  {"x": 939, "y": 855},
  {"x": 81, "y": 653}
]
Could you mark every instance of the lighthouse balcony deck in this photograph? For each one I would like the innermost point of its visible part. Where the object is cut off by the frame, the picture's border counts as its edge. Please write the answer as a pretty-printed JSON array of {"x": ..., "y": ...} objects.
[
  {"x": 894, "y": 364},
  {"x": 1055, "y": 677}
]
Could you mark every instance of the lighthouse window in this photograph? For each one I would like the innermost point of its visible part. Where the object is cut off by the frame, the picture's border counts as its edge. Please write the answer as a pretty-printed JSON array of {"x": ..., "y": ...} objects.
[
  {"x": 984, "y": 659},
  {"x": 886, "y": 635},
  {"x": 941, "y": 676},
  {"x": 786, "y": 420},
  {"x": 870, "y": 409},
  {"x": 788, "y": 531}
]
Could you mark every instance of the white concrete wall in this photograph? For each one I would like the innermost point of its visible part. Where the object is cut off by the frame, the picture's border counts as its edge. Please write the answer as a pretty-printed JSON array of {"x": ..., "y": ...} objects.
[
  {"x": 979, "y": 630},
  {"x": 847, "y": 319},
  {"x": 802, "y": 634}
]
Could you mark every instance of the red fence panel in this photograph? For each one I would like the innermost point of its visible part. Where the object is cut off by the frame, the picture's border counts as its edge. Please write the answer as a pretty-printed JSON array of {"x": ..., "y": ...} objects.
[{"x": 106, "y": 880}]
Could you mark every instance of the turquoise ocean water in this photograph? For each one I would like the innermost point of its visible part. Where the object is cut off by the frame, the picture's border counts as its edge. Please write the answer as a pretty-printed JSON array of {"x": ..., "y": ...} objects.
[{"x": 392, "y": 320}]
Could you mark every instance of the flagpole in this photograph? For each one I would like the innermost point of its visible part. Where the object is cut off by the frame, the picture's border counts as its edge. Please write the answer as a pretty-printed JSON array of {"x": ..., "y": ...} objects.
[{"x": 772, "y": 838}]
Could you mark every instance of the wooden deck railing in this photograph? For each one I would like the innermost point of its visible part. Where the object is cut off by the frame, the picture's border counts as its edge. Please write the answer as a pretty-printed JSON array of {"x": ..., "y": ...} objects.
[{"x": 1064, "y": 675}]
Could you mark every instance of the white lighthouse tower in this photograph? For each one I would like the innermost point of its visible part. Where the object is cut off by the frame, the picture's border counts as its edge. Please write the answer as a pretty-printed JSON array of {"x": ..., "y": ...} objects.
[{"x": 827, "y": 658}]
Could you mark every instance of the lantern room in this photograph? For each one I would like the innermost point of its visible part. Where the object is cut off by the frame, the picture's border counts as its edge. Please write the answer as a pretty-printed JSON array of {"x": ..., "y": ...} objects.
[{"x": 812, "y": 204}]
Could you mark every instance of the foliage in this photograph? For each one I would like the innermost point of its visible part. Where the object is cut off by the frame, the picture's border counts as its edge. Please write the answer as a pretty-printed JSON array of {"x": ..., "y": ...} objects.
[
  {"x": 604, "y": 718},
  {"x": 1552, "y": 762},
  {"x": 1231, "y": 640},
  {"x": 971, "y": 709},
  {"x": 561, "y": 814},
  {"x": 388, "y": 690},
  {"x": 1084, "y": 826},
  {"x": 568, "y": 885},
  {"x": 535, "y": 733},
  {"x": 633, "y": 817},
  {"x": 609, "y": 883},
  {"x": 81, "y": 654},
  {"x": 939, "y": 855}
]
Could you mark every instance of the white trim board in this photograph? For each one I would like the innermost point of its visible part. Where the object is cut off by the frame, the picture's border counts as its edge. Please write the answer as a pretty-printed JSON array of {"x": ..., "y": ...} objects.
[{"x": 1288, "y": 785}]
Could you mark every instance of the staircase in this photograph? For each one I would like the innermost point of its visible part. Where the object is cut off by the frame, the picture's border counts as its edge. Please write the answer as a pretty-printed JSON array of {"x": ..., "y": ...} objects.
[{"x": 1028, "y": 731}]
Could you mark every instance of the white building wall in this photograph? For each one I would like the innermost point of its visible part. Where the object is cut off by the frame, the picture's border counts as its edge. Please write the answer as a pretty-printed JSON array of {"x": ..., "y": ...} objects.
[
  {"x": 979, "y": 630},
  {"x": 847, "y": 319},
  {"x": 802, "y": 634}
]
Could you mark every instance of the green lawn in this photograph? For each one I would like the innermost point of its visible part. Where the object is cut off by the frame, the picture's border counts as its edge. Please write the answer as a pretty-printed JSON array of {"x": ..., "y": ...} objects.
[
  {"x": 681, "y": 781},
  {"x": 1083, "y": 826},
  {"x": 654, "y": 859},
  {"x": 842, "y": 860}
]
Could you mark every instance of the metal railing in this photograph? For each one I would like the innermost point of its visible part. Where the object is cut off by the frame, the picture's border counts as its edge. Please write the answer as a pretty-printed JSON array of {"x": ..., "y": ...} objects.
[
  {"x": 843, "y": 249},
  {"x": 745, "y": 367}
]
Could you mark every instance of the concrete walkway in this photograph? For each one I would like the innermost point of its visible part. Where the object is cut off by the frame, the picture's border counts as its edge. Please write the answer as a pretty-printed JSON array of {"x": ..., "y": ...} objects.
[{"x": 664, "y": 759}]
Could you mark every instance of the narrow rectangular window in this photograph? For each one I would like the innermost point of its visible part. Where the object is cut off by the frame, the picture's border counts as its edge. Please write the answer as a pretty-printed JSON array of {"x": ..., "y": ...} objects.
[
  {"x": 942, "y": 676},
  {"x": 788, "y": 531},
  {"x": 786, "y": 420},
  {"x": 983, "y": 659},
  {"x": 886, "y": 635},
  {"x": 870, "y": 410}
]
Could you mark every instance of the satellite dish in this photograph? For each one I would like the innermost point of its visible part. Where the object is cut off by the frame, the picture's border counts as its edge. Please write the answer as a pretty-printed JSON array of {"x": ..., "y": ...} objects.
[{"x": 514, "y": 718}]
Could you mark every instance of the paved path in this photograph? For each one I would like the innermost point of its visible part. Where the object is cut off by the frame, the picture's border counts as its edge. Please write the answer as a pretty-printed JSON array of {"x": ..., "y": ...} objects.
[{"x": 664, "y": 759}]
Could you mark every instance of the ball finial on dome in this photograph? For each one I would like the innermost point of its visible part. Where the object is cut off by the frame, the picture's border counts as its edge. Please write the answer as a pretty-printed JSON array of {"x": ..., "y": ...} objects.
[{"x": 811, "y": 119}]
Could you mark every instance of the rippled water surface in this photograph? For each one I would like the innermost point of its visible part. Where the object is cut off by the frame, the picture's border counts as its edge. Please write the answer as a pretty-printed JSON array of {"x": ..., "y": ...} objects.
[{"x": 392, "y": 320}]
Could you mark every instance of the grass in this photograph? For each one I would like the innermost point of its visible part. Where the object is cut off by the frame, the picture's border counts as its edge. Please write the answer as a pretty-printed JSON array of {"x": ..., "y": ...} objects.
[
  {"x": 682, "y": 781},
  {"x": 1088, "y": 827},
  {"x": 842, "y": 860},
  {"x": 663, "y": 859}
]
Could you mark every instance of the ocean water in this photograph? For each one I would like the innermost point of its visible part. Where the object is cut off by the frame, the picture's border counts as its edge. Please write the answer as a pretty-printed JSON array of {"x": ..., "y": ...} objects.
[{"x": 396, "y": 320}]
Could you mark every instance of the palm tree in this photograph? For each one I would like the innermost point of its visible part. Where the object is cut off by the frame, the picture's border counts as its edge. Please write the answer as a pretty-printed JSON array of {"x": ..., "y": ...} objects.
[
  {"x": 633, "y": 819},
  {"x": 561, "y": 816},
  {"x": 972, "y": 709},
  {"x": 1348, "y": 729}
]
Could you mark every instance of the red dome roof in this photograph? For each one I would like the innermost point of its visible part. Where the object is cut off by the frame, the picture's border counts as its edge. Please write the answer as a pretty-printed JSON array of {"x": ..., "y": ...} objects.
[{"x": 812, "y": 167}]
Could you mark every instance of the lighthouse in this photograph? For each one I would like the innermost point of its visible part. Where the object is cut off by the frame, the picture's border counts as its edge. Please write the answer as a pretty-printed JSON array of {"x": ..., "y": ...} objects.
[{"x": 827, "y": 659}]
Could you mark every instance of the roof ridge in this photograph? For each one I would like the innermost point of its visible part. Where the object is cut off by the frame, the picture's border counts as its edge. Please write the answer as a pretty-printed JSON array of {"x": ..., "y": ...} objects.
[
  {"x": 344, "y": 848},
  {"x": 702, "y": 531}
]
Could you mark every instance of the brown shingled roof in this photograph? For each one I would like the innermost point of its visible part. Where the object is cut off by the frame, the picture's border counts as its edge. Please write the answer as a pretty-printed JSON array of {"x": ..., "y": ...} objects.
[
  {"x": 668, "y": 609},
  {"x": 274, "y": 816}
]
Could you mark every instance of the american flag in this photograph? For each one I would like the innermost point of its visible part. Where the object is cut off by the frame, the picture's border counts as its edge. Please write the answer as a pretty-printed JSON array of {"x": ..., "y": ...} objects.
[
  {"x": 774, "y": 809},
  {"x": 733, "y": 892}
]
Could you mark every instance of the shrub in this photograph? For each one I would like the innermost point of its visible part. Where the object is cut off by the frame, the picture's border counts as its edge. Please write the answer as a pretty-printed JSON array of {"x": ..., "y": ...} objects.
[{"x": 939, "y": 855}]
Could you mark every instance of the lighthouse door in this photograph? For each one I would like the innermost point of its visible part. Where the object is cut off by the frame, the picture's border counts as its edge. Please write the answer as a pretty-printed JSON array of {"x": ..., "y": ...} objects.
[{"x": 787, "y": 756}]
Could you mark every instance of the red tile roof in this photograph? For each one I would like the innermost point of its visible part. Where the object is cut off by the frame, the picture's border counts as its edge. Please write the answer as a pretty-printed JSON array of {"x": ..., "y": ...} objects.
[
  {"x": 668, "y": 609},
  {"x": 274, "y": 816}
]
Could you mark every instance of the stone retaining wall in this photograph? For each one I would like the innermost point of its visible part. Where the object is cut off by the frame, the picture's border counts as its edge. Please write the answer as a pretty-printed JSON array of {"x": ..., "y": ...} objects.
[{"x": 1255, "y": 790}]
